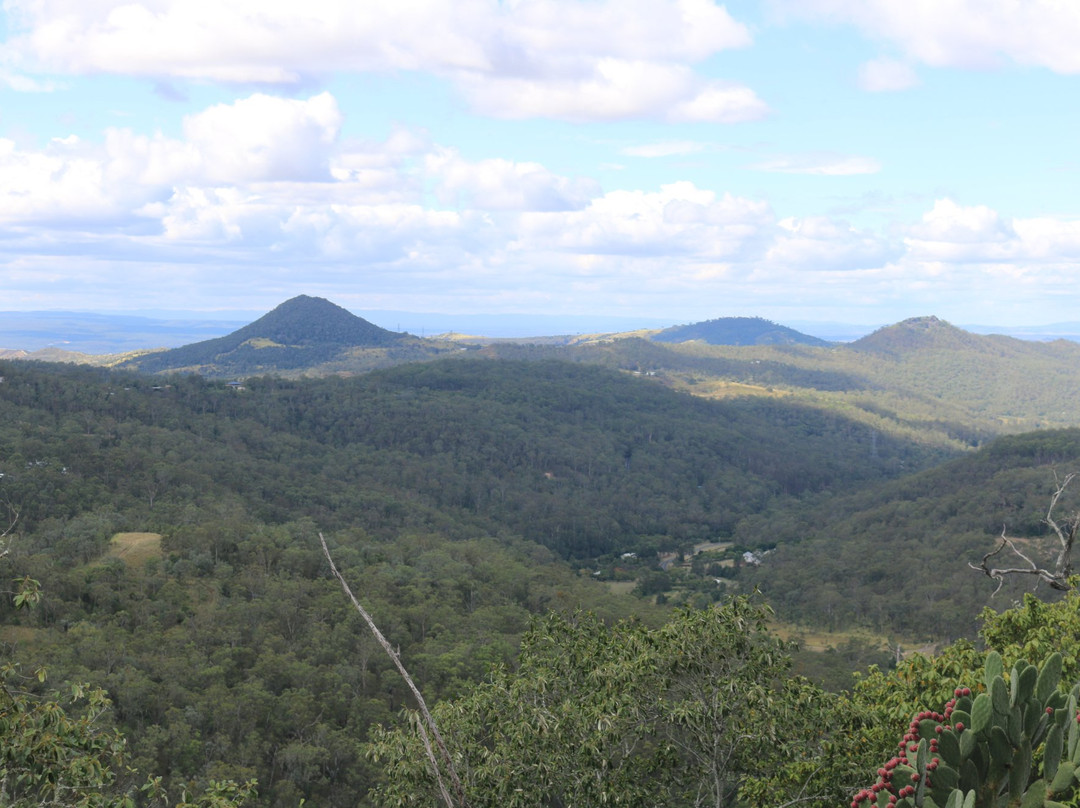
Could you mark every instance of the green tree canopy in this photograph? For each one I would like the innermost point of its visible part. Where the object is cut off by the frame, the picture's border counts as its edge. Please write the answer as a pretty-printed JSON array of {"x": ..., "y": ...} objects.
[{"x": 621, "y": 714}]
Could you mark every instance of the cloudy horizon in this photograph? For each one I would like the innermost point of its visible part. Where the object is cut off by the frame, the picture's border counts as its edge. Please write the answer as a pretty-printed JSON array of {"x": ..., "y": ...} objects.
[{"x": 810, "y": 160}]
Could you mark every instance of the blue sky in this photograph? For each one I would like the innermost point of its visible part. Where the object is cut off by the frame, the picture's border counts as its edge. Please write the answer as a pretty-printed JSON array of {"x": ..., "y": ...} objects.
[{"x": 859, "y": 161}]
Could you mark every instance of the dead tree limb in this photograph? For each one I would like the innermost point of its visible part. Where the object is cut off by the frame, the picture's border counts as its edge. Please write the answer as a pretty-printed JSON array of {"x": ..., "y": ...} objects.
[
  {"x": 1059, "y": 576},
  {"x": 427, "y": 725},
  {"x": 5, "y": 546}
]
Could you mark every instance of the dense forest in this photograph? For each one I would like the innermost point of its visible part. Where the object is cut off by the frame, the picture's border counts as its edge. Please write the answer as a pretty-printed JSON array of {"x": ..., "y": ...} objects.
[{"x": 172, "y": 522}]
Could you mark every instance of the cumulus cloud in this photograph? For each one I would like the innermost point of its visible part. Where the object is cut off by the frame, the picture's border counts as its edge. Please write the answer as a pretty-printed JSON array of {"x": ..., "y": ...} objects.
[
  {"x": 269, "y": 177},
  {"x": 824, "y": 164},
  {"x": 267, "y": 184},
  {"x": 498, "y": 184},
  {"x": 680, "y": 222},
  {"x": 570, "y": 59},
  {"x": 963, "y": 33},
  {"x": 886, "y": 76},
  {"x": 818, "y": 242},
  {"x": 955, "y": 234},
  {"x": 61, "y": 182},
  {"x": 264, "y": 137}
]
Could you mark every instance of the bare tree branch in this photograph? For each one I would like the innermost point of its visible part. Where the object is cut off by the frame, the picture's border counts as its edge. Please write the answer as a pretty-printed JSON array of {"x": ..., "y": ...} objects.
[
  {"x": 1065, "y": 530},
  {"x": 5, "y": 546},
  {"x": 427, "y": 718}
]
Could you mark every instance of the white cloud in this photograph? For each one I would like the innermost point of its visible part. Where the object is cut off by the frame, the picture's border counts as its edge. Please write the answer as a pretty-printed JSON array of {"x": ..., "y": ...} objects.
[
  {"x": 504, "y": 185},
  {"x": 963, "y": 33},
  {"x": 572, "y": 59},
  {"x": 719, "y": 102},
  {"x": 613, "y": 89},
  {"x": 679, "y": 223},
  {"x": 263, "y": 137},
  {"x": 267, "y": 185},
  {"x": 61, "y": 182},
  {"x": 824, "y": 164},
  {"x": 263, "y": 178},
  {"x": 948, "y": 222},
  {"x": 886, "y": 75},
  {"x": 953, "y": 234},
  {"x": 821, "y": 243}
]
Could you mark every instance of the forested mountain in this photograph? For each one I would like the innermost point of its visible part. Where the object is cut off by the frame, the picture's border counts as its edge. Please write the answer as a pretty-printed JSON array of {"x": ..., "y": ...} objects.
[
  {"x": 172, "y": 523},
  {"x": 172, "y": 520},
  {"x": 304, "y": 333},
  {"x": 579, "y": 458},
  {"x": 924, "y": 334},
  {"x": 941, "y": 383},
  {"x": 922, "y": 379},
  {"x": 737, "y": 331}
]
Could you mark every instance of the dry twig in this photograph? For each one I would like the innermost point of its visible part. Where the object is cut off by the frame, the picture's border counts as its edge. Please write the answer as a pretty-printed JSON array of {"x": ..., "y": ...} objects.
[{"x": 1058, "y": 577}]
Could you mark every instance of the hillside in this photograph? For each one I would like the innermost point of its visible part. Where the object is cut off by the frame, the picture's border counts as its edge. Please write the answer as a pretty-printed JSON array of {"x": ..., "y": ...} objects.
[
  {"x": 464, "y": 496},
  {"x": 302, "y": 334},
  {"x": 737, "y": 331},
  {"x": 894, "y": 556},
  {"x": 452, "y": 491},
  {"x": 922, "y": 379}
]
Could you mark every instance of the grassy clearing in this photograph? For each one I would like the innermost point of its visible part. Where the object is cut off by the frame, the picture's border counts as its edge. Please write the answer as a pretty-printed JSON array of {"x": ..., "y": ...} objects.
[
  {"x": 17, "y": 634},
  {"x": 621, "y": 587},
  {"x": 817, "y": 640},
  {"x": 135, "y": 549},
  {"x": 711, "y": 387}
]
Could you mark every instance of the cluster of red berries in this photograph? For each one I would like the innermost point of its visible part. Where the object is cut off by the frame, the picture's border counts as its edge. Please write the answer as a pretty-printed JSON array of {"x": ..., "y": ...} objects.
[{"x": 910, "y": 745}]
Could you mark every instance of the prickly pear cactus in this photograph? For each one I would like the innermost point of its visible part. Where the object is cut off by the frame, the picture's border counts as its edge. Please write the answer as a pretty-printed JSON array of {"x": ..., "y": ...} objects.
[{"x": 1014, "y": 744}]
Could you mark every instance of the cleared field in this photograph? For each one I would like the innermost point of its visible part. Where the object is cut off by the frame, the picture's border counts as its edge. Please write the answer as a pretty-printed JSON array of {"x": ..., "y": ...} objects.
[
  {"x": 16, "y": 634},
  {"x": 816, "y": 640},
  {"x": 134, "y": 549}
]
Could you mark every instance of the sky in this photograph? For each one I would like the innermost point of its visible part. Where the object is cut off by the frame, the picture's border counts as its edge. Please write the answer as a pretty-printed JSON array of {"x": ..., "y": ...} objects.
[{"x": 858, "y": 161}]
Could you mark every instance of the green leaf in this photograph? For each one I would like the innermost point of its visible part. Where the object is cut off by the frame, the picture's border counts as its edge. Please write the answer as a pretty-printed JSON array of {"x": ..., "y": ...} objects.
[
  {"x": 1052, "y": 751},
  {"x": 999, "y": 696},
  {"x": 1001, "y": 751},
  {"x": 981, "y": 711},
  {"x": 993, "y": 668},
  {"x": 1063, "y": 778},
  {"x": 945, "y": 777},
  {"x": 1026, "y": 684},
  {"x": 1035, "y": 796},
  {"x": 1021, "y": 770},
  {"x": 1048, "y": 677},
  {"x": 922, "y": 756},
  {"x": 967, "y": 744},
  {"x": 949, "y": 748}
]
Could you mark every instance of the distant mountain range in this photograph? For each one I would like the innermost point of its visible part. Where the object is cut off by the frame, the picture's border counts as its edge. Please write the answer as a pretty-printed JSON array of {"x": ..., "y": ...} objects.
[{"x": 115, "y": 333}]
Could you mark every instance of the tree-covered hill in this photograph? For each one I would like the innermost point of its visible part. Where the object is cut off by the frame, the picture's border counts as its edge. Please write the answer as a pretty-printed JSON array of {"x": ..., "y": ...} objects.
[
  {"x": 303, "y": 333},
  {"x": 452, "y": 492},
  {"x": 895, "y": 556},
  {"x": 923, "y": 378},
  {"x": 920, "y": 334},
  {"x": 577, "y": 458},
  {"x": 737, "y": 331}
]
